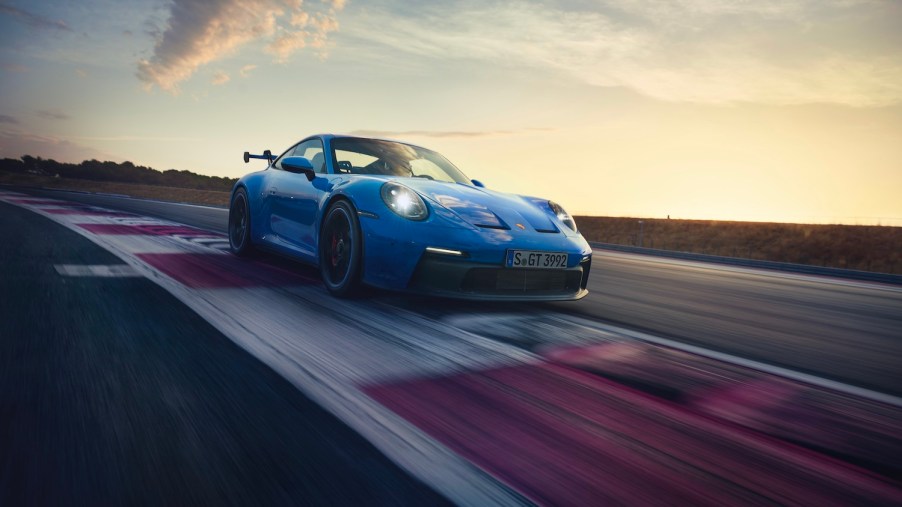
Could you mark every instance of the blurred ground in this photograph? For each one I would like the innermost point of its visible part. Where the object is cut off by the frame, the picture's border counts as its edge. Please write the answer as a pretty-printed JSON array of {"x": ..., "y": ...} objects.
[
  {"x": 114, "y": 393},
  {"x": 563, "y": 409}
]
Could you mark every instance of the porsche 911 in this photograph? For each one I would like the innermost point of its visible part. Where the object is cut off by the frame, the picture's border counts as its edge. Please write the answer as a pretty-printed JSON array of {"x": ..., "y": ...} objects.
[{"x": 396, "y": 216}]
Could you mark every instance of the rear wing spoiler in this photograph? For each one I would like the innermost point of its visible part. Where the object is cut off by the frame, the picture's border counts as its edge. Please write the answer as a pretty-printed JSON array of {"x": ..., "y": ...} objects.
[{"x": 267, "y": 155}]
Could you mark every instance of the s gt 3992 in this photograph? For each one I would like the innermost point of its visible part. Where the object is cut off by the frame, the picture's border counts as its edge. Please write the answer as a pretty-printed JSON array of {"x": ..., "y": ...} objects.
[{"x": 400, "y": 217}]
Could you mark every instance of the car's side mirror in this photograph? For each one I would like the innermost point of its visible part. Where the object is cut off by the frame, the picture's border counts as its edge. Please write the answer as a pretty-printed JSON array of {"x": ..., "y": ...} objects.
[
  {"x": 477, "y": 183},
  {"x": 299, "y": 165}
]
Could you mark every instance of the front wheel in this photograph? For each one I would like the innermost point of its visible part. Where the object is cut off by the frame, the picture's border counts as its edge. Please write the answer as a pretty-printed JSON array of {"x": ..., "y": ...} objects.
[
  {"x": 339, "y": 250},
  {"x": 240, "y": 224}
]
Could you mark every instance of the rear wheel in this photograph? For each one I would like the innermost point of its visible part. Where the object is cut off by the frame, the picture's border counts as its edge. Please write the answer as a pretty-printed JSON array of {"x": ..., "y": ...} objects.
[
  {"x": 240, "y": 224},
  {"x": 340, "y": 249}
]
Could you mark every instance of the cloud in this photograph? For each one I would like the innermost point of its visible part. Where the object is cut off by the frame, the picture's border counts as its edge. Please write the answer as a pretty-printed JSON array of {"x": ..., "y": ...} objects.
[
  {"x": 52, "y": 114},
  {"x": 443, "y": 133},
  {"x": 220, "y": 78},
  {"x": 4, "y": 118},
  {"x": 286, "y": 44},
  {"x": 199, "y": 33},
  {"x": 312, "y": 31},
  {"x": 322, "y": 25},
  {"x": 247, "y": 69},
  {"x": 422, "y": 133},
  {"x": 14, "y": 144},
  {"x": 34, "y": 20},
  {"x": 705, "y": 51},
  {"x": 128, "y": 139}
]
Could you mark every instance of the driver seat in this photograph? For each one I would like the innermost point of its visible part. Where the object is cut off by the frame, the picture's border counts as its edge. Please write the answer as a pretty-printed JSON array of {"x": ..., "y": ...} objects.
[{"x": 319, "y": 163}]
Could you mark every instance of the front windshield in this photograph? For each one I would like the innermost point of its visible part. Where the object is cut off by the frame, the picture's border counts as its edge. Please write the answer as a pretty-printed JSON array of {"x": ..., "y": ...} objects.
[{"x": 354, "y": 155}]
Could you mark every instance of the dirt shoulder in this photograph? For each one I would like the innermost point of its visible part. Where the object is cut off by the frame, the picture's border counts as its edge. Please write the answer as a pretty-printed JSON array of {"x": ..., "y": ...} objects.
[
  {"x": 861, "y": 247},
  {"x": 173, "y": 194}
]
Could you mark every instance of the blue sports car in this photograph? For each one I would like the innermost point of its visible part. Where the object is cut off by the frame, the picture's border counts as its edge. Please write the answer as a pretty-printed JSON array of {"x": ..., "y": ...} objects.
[{"x": 397, "y": 216}]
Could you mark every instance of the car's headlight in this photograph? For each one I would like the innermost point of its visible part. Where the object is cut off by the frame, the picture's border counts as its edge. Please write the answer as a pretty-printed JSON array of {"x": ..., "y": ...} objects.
[
  {"x": 562, "y": 215},
  {"x": 404, "y": 201}
]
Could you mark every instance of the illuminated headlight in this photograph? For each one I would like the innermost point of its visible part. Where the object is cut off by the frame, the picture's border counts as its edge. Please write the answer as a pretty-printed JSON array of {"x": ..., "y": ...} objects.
[
  {"x": 562, "y": 215},
  {"x": 404, "y": 201}
]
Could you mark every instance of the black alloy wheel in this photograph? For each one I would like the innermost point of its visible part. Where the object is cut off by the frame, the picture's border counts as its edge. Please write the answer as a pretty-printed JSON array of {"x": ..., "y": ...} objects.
[
  {"x": 340, "y": 249},
  {"x": 239, "y": 224}
]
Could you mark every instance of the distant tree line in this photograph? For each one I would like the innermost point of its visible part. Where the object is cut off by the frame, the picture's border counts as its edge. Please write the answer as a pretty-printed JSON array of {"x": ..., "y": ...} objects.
[{"x": 126, "y": 172}]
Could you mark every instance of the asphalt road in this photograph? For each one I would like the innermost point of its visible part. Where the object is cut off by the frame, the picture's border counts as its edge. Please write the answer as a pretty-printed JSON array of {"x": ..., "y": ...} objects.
[
  {"x": 845, "y": 331},
  {"x": 102, "y": 402},
  {"x": 199, "y": 380}
]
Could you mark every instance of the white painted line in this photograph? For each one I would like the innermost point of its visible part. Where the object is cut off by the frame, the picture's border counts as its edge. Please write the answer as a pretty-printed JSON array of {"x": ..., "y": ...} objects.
[
  {"x": 147, "y": 244},
  {"x": 132, "y": 198},
  {"x": 739, "y": 361},
  {"x": 97, "y": 270}
]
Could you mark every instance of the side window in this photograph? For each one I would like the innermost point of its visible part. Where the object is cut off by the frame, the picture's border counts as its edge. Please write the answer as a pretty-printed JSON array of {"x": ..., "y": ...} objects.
[{"x": 312, "y": 150}]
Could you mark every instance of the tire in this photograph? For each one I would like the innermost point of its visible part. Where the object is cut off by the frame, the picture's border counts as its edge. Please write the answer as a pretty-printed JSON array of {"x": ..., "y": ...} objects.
[
  {"x": 240, "y": 225},
  {"x": 340, "y": 250}
]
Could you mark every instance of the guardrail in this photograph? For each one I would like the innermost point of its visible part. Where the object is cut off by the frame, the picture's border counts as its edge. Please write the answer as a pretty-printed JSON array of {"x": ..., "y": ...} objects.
[{"x": 851, "y": 274}]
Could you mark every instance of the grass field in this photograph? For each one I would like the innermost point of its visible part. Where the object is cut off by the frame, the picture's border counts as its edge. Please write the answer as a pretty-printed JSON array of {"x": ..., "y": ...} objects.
[
  {"x": 861, "y": 247},
  {"x": 208, "y": 197}
]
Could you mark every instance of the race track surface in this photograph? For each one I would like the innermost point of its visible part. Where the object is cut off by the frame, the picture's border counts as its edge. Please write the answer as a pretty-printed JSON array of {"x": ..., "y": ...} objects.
[
  {"x": 136, "y": 345},
  {"x": 844, "y": 330},
  {"x": 115, "y": 393}
]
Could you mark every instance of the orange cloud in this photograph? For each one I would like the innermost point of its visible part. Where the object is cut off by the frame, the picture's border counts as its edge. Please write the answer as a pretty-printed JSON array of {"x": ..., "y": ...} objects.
[
  {"x": 714, "y": 52},
  {"x": 199, "y": 33},
  {"x": 285, "y": 45}
]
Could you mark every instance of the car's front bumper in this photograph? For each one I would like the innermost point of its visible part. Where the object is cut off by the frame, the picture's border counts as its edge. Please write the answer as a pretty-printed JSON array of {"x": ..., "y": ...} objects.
[
  {"x": 461, "y": 279},
  {"x": 468, "y": 263}
]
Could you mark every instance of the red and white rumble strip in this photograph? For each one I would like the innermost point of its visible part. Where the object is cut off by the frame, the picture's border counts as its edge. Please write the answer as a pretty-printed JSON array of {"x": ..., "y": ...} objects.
[{"x": 600, "y": 418}]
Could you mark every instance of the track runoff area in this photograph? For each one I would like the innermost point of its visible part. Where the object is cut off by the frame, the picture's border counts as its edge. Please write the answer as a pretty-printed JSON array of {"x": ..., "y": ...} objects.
[{"x": 599, "y": 415}]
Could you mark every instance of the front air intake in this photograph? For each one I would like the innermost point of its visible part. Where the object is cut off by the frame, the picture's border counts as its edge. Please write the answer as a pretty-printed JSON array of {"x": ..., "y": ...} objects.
[{"x": 505, "y": 280}]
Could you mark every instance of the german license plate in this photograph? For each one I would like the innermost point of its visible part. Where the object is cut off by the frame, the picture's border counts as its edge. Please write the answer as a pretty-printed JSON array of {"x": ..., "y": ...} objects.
[{"x": 533, "y": 259}]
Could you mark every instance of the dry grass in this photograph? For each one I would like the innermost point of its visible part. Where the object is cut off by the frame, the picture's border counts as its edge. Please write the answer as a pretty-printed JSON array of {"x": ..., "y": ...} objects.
[
  {"x": 207, "y": 197},
  {"x": 866, "y": 248}
]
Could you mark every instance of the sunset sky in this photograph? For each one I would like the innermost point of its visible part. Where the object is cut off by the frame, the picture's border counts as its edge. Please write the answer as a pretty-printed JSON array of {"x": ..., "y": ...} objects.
[{"x": 768, "y": 110}]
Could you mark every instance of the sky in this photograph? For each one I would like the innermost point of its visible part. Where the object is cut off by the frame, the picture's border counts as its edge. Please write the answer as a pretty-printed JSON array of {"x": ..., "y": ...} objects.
[{"x": 766, "y": 110}]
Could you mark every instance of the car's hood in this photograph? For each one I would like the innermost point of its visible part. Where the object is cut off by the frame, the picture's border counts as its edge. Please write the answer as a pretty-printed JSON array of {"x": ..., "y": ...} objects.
[{"x": 482, "y": 207}]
